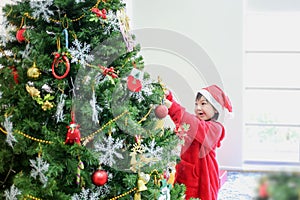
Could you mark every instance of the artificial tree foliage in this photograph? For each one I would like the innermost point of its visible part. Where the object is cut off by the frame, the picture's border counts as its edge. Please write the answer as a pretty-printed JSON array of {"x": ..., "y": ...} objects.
[
  {"x": 283, "y": 185},
  {"x": 66, "y": 108}
]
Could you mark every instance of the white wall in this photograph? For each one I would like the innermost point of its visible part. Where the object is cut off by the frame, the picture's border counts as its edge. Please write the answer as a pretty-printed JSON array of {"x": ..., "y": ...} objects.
[{"x": 204, "y": 46}]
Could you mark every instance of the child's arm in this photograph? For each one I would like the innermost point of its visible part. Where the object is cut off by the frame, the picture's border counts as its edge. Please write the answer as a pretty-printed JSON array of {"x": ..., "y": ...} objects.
[
  {"x": 175, "y": 110},
  {"x": 207, "y": 133}
]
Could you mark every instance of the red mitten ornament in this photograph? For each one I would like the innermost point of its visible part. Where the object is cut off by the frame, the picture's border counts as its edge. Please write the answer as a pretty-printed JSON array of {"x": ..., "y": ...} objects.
[
  {"x": 20, "y": 35},
  {"x": 134, "y": 82},
  {"x": 161, "y": 111},
  {"x": 99, "y": 177}
]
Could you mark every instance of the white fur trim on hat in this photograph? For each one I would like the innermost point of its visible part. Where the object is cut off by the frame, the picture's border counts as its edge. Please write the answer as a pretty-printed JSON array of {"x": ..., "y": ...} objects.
[{"x": 211, "y": 100}]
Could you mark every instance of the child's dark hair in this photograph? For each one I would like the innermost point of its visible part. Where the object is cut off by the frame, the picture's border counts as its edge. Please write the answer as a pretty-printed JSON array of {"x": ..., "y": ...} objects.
[{"x": 216, "y": 115}]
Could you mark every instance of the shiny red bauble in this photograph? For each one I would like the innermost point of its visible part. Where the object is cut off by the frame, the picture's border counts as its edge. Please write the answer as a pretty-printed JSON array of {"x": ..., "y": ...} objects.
[
  {"x": 99, "y": 177},
  {"x": 20, "y": 35},
  {"x": 161, "y": 111}
]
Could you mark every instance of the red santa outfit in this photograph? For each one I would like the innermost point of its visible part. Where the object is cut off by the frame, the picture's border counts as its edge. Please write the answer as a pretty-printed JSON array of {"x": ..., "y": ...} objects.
[{"x": 198, "y": 168}]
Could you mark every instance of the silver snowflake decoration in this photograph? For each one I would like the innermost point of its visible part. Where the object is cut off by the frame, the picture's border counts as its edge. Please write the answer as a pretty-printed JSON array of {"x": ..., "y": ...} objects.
[
  {"x": 86, "y": 194},
  {"x": 10, "y": 138},
  {"x": 6, "y": 33},
  {"x": 25, "y": 54},
  {"x": 80, "y": 53},
  {"x": 6, "y": 53},
  {"x": 153, "y": 151},
  {"x": 109, "y": 149},
  {"x": 104, "y": 190},
  {"x": 39, "y": 168},
  {"x": 12, "y": 193},
  {"x": 41, "y": 8},
  {"x": 111, "y": 23}
]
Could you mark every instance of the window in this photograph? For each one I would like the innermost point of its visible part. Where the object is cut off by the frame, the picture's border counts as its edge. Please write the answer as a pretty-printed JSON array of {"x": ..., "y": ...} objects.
[{"x": 272, "y": 82}]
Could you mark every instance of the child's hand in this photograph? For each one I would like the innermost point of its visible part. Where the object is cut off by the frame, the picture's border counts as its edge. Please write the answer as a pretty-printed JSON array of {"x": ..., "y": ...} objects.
[
  {"x": 168, "y": 95},
  {"x": 168, "y": 103}
]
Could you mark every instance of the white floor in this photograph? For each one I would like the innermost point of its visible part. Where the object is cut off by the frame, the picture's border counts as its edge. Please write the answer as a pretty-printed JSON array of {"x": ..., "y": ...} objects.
[{"x": 239, "y": 186}]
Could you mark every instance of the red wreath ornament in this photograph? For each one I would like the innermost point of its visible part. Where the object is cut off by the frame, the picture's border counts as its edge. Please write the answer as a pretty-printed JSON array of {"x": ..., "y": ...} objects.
[{"x": 58, "y": 58}]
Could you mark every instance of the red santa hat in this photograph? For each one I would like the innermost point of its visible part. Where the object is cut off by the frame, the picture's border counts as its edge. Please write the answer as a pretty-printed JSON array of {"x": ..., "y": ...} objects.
[{"x": 217, "y": 98}]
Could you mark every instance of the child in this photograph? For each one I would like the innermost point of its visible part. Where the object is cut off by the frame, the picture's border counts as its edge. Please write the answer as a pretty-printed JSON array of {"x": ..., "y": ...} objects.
[{"x": 198, "y": 168}]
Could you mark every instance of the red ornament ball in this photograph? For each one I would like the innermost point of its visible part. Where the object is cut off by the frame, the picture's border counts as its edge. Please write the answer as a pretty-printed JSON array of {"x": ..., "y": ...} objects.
[
  {"x": 161, "y": 111},
  {"x": 99, "y": 177},
  {"x": 20, "y": 35}
]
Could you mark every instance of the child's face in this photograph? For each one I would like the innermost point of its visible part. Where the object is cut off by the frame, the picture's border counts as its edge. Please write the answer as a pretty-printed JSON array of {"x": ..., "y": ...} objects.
[{"x": 203, "y": 109}]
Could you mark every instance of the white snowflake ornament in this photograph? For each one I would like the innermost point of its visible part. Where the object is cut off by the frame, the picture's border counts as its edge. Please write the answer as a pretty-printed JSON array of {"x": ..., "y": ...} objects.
[
  {"x": 153, "y": 151},
  {"x": 109, "y": 150},
  {"x": 39, "y": 168},
  {"x": 86, "y": 194},
  {"x": 10, "y": 138},
  {"x": 12, "y": 193},
  {"x": 111, "y": 23},
  {"x": 6, "y": 33},
  {"x": 41, "y": 8},
  {"x": 80, "y": 53}
]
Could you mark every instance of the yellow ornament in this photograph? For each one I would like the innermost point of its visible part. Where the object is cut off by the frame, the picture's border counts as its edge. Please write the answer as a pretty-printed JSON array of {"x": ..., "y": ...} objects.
[
  {"x": 160, "y": 124},
  {"x": 33, "y": 72},
  {"x": 142, "y": 181},
  {"x": 34, "y": 93},
  {"x": 47, "y": 105}
]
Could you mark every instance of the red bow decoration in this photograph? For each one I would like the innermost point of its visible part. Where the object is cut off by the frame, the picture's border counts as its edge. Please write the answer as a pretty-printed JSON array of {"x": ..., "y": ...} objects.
[
  {"x": 108, "y": 71},
  {"x": 99, "y": 13}
]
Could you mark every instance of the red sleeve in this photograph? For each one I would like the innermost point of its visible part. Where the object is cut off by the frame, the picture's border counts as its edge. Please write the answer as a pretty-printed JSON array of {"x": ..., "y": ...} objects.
[
  {"x": 208, "y": 133},
  {"x": 176, "y": 112}
]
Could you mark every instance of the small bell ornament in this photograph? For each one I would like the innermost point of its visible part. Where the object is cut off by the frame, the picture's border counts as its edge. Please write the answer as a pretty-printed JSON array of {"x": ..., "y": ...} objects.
[{"x": 142, "y": 181}]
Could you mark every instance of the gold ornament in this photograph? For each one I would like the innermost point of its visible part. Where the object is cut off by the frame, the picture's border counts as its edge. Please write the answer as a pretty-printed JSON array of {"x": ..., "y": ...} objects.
[
  {"x": 141, "y": 185},
  {"x": 143, "y": 180},
  {"x": 34, "y": 93},
  {"x": 33, "y": 72},
  {"x": 47, "y": 105}
]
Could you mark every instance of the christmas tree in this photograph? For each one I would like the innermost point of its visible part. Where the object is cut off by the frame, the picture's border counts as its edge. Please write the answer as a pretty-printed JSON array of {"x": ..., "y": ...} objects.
[
  {"x": 80, "y": 118},
  {"x": 279, "y": 185}
]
